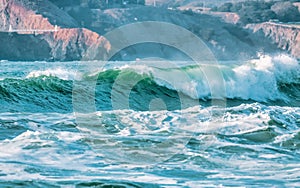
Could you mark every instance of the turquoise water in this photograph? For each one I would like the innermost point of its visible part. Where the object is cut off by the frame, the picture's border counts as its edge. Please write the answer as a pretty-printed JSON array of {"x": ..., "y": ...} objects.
[{"x": 142, "y": 134}]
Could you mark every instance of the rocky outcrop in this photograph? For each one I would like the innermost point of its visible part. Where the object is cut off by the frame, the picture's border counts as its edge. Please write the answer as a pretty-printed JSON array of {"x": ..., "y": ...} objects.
[
  {"x": 228, "y": 17},
  {"x": 30, "y": 15},
  {"x": 62, "y": 45},
  {"x": 38, "y": 30},
  {"x": 297, "y": 5},
  {"x": 285, "y": 36},
  {"x": 73, "y": 44}
]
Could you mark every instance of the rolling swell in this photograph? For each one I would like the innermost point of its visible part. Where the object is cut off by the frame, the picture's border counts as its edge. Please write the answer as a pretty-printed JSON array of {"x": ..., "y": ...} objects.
[
  {"x": 269, "y": 80},
  {"x": 40, "y": 94},
  {"x": 52, "y": 94}
]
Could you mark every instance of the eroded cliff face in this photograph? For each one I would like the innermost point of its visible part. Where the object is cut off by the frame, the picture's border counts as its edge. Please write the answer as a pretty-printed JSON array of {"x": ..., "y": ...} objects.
[
  {"x": 45, "y": 32},
  {"x": 28, "y": 15},
  {"x": 74, "y": 44},
  {"x": 285, "y": 36},
  {"x": 41, "y": 31}
]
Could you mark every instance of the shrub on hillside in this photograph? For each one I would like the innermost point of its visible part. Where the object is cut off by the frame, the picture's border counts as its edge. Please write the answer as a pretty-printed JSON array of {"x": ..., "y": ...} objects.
[
  {"x": 262, "y": 11},
  {"x": 286, "y": 12}
]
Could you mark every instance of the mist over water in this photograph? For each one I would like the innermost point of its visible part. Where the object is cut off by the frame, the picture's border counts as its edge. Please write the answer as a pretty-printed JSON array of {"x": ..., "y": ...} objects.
[{"x": 254, "y": 139}]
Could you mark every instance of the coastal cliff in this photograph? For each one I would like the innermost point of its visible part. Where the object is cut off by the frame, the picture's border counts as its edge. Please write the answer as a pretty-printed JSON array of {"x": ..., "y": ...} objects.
[
  {"x": 285, "y": 36},
  {"x": 227, "y": 41},
  {"x": 40, "y": 30},
  {"x": 29, "y": 15}
]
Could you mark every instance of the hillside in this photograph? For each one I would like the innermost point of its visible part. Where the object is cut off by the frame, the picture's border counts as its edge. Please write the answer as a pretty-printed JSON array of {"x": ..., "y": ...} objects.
[
  {"x": 45, "y": 32},
  {"x": 175, "y": 3},
  {"x": 226, "y": 41}
]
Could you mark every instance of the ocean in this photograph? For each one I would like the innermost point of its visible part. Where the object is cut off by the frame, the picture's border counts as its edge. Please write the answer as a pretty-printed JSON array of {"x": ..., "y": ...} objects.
[{"x": 144, "y": 124}]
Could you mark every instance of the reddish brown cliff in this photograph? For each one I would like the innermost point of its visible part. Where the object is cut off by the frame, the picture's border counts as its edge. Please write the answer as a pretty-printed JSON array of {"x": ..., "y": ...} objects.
[
  {"x": 72, "y": 44},
  {"x": 43, "y": 32}
]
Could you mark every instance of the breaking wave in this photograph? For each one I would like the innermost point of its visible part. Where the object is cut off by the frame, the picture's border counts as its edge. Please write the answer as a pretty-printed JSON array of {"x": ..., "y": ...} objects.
[{"x": 268, "y": 80}]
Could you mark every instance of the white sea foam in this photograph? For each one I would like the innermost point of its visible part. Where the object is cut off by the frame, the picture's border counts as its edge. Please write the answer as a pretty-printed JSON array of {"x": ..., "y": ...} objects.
[
  {"x": 64, "y": 74},
  {"x": 257, "y": 79}
]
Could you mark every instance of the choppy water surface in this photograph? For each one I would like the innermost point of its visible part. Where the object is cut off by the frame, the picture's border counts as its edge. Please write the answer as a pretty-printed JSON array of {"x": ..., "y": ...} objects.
[{"x": 252, "y": 141}]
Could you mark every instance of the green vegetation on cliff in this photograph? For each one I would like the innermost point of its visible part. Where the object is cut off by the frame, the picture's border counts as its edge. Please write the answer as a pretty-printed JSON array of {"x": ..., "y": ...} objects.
[
  {"x": 97, "y": 4},
  {"x": 262, "y": 11}
]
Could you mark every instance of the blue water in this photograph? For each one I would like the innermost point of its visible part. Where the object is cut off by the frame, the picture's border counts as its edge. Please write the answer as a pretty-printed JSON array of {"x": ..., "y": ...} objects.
[{"x": 142, "y": 134}]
